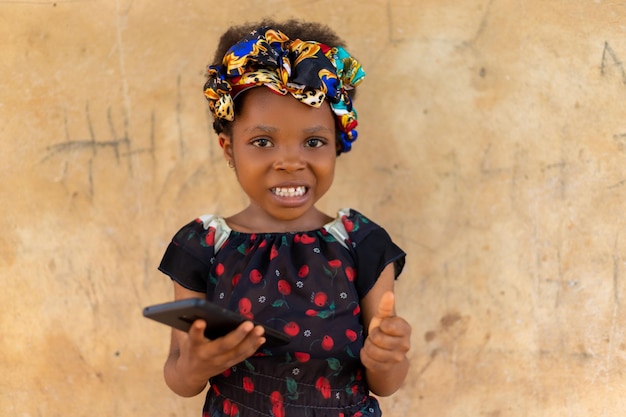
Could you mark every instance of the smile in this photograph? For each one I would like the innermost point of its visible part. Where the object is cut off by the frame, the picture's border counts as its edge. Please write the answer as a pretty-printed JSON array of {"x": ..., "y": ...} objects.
[{"x": 289, "y": 191}]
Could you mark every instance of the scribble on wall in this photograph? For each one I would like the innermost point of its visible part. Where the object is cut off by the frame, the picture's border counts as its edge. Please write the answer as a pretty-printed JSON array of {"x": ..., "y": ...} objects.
[
  {"x": 610, "y": 59},
  {"x": 119, "y": 147}
]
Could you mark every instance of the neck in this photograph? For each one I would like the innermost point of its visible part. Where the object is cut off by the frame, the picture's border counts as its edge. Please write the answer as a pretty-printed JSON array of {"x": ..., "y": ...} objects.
[{"x": 251, "y": 220}]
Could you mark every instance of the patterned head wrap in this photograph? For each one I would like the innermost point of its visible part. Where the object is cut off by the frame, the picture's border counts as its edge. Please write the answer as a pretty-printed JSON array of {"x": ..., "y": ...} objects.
[{"x": 310, "y": 71}]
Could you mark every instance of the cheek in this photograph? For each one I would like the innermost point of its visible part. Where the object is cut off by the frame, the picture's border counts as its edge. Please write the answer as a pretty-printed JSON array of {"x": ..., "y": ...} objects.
[{"x": 326, "y": 171}]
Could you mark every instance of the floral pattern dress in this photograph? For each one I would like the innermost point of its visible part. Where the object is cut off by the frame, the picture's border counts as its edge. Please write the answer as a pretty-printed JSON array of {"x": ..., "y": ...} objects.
[{"x": 307, "y": 285}]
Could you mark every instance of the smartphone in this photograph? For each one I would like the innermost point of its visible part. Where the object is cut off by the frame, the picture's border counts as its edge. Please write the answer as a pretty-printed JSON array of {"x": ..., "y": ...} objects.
[{"x": 181, "y": 314}]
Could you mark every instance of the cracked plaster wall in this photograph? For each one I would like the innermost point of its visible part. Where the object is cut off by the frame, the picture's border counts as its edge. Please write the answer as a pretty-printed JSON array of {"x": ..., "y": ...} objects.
[{"x": 492, "y": 145}]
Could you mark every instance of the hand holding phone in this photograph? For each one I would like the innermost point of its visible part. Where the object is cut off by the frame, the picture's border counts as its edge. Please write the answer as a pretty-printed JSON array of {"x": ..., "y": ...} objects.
[{"x": 181, "y": 314}]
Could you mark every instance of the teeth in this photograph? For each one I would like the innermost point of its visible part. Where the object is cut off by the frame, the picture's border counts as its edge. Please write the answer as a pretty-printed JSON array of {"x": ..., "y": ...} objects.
[{"x": 289, "y": 191}]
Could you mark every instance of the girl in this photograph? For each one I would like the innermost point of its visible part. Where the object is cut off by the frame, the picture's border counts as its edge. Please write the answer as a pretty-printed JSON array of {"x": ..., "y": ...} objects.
[{"x": 283, "y": 113}]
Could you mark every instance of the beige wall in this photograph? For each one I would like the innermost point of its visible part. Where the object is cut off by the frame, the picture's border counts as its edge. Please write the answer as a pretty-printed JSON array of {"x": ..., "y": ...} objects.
[{"x": 492, "y": 147}]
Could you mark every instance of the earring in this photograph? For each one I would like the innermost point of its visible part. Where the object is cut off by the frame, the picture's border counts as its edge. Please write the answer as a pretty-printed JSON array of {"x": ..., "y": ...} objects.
[{"x": 230, "y": 164}]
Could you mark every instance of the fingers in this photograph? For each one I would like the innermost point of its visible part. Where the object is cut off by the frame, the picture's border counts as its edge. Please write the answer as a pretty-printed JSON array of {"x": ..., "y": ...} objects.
[
  {"x": 245, "y": 338},
  {"x": 387, "y": 344},
  {"x": 239, "y": 344},
  {"x": 237, "y": 336},
  {"x": 235, "y": 346},
  {"x": 197, "y": 358},
  {"x": 393, "y": 333},
  {"x": 196, "y": 332},
  {"x": 384, "y": 310}
]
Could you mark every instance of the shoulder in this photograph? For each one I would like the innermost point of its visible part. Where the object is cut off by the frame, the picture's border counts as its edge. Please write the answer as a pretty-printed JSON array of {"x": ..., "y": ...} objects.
[
  {"x": 207, "y": 230},
  {"x": 373, "y": 246},
  {"x": 352, "y": 226}
]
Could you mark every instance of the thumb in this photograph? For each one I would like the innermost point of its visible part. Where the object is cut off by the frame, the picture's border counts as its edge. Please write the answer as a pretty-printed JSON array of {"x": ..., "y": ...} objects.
[
  {"x": 385, "y": 309},
  {"x": 196, "y": 331}
]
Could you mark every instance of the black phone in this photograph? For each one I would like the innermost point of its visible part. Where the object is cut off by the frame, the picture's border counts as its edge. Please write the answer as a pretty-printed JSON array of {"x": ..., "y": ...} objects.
[{"x": 181, "y": 314}]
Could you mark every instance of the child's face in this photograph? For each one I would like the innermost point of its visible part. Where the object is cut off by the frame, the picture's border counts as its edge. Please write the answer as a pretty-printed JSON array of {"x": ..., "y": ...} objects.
[{"x": 284, "y": 153}]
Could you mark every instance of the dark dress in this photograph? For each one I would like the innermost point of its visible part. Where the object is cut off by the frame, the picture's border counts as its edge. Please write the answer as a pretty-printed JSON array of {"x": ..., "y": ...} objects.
[{"x": 308, "y": 285}]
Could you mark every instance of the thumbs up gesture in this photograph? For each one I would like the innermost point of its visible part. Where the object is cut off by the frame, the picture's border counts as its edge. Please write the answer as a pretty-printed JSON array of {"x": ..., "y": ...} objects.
[
  {"x": 385, "y": 310},
  {"x": 388, "y": 339}
]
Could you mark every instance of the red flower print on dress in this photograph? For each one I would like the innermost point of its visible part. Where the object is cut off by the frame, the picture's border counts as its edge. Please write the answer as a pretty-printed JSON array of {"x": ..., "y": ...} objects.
[
  {"x": 291, "y": 328},
  {"x": 347, "y": 223},
  {"x": 219, "y": 269},
  {"x": 303, "y": 271},
  {"x": 323, "y": 386},
  {"x": 320, "y": 299},
  {"x": 335, "y": 263},
  {"x": 209, "y": 239},
  {"x": 327, "y": 342},
  {"x": 248, "y": 384},
  {"x": 283, "y": 287},
  {"x": 276, "y": 397},
  {"x": 255, "y": 276},
  {"x": 302, "y": 357},
  {"x": 351, "y": 335},
  {"x": 306, "y": 239},
  {"x": 235, "y": 280},
  {"x": 350, "y": 273},
  {"x": 245, "y": 308},
  {"x": 226, "y": 407},
  {"x": 273, "y": 252},
  {"x": 278, "y": 409}
]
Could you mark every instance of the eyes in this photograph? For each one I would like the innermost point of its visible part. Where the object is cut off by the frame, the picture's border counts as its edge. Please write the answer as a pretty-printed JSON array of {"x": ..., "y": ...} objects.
[{"x": 308, "y": 143}]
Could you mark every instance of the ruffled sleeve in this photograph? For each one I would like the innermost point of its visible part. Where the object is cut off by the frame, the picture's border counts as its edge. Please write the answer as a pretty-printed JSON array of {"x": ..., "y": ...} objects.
[
  {"x": 373, "y": 250},
  {"x": 188, "y": 257}
]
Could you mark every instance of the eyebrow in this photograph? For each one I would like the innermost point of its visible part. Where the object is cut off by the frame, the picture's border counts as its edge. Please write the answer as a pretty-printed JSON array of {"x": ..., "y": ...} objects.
[
  {"x": 272, "y": 129},
  {"x": 261, "y": 128},
  {"x": 317, "y": 129}
]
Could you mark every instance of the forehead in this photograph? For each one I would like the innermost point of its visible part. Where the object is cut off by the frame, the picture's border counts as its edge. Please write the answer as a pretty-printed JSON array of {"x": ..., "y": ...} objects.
[{"x": 262, "y": 106}]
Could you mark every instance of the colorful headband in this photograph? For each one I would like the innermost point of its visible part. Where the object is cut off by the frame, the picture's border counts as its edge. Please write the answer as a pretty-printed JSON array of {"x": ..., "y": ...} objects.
[{"x": 309, "y": 71}]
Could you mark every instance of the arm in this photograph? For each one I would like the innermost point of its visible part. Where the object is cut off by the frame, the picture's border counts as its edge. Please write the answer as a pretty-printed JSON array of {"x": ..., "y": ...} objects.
[
  {"x": 193, "y": 359},
  {"x": 388, "y": 339}
]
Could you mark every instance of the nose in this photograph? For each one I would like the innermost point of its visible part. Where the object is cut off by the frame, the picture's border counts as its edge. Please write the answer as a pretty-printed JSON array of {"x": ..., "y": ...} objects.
[{"x": 289, "y": 159}]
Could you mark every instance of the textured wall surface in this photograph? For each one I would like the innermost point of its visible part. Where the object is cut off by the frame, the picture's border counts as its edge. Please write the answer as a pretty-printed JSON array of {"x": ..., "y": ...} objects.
[{"x": 492, "y": 147}]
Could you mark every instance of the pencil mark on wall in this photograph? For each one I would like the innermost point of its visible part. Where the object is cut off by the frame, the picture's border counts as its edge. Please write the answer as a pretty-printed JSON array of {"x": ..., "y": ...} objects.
[
  {"x": 485, "y": 165},
  {"x": 614, "y": 326},
  {"x": 483, "y": 23},
  {"x": 396, "y": 32},
  {"x": 179, "y": 124},
  {"x": 390, "y": 22},
  {"x": 121, "y": 16},
  {"x": 620, "y": 141},
  {"x": 619, "y": 184},
  {"x": 90, "y": 143},
  {"x": 119, "y": 145},
  {"x": 616, "y": 273},
  {"x": 150, "y": 149},
  {"x": 610, "y": 59}
]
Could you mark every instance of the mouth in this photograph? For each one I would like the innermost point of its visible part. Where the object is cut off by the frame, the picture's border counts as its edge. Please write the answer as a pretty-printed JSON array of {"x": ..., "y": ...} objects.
[{"x": 298, "y": 191}]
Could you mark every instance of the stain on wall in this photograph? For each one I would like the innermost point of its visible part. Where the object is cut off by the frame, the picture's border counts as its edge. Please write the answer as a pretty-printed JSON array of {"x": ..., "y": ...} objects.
[{"x": 492, "y": 146}]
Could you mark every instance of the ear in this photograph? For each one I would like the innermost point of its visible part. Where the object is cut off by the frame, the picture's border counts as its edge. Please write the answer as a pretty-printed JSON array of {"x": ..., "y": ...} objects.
[{"x": 227, "y": 145}]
